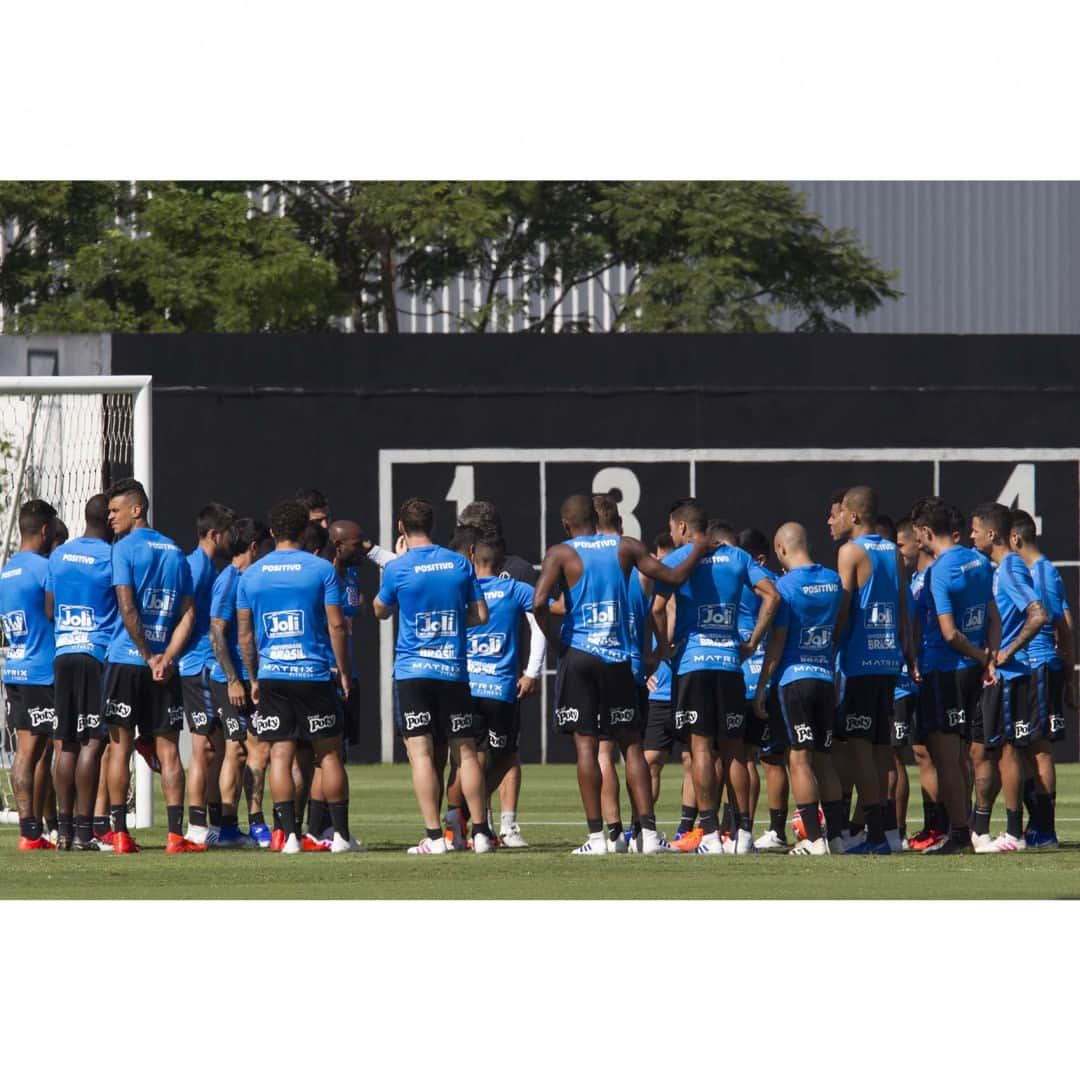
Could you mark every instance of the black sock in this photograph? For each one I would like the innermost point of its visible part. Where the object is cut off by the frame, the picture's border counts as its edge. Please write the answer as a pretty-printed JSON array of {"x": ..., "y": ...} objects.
[
  {"x": 835, "y": 818},
  {"x": 745, "y": 822},
  {"x": 434, "y": 834},
  {"x": 213, "y": 813},
  {"x": 339, "y": 817},
  {"x": 1029, "y": 801},
  {"x": 30, "y": 827},
  {"x": 100, "y": 825},
  {"x": 277, "y": 818},
  {"x": 230, "y": 821},
  {"x": 888, "y": 814},
  {"x": 258, "y": 818},
  {"x": 959, "y": 835},
  {"x": 709, "y": 823},
  {"x": 594, "y": 825},
  {"x": 197, "y": 815},
  {"x": 980, "y": 820},
  {"x": 928, "y": 812},
  {"x": 941, "y": 817},
  {"x": 614, "y": 830},
  {"x": 175, "y": 814},
  {"x": 464, "y": 811},
  {"x": 778, "y": 821},
  {"x": 52, "y": 824},
  {"x": 646, "y": 821},
  {"x": 810, "y": 820},
  {"x": 875, "y": 831},
  {"x": 65, "y": 825},
  {"x": 727, "y": 820},
  {"x": 285, "y": 812},
  {"x": 635, "y": 827},
  {"x": 318, "y": 814},
  {"x": 118, "y": 817},
  {"x": 687, "y": 816},
  {"x": 1014, "y": 821},
  {"x": 481, "y": 830},
  {"x": 83, "y": 828}
]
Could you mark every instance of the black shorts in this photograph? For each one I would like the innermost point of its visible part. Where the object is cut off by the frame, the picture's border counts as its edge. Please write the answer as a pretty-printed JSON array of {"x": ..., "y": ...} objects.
[
  {"x": 199, "y": 711},
  {"x": 1047, "y": 705},
  {"x": 949, "y": 701},
  {"x": 77, "y": 683},
  {"x": 235, "y": 722},
  {"x": 135, "y": 702},
  {"x": 769, "y": 736},
  {"x": 661, "y": 732},
  {"x": 434, "y": 707},
  {"x": 1004, "y": 716},
  {"x": 809, "y": 710},
  {"x": 297, "y": 711},
  {"x": 712, "y": 703},
  {"x": 30, "y": 708},
  {"x": 593, "y": 697},
  {"x": 496, "y": 724},
  {"x": 868, "y": 708},
  {"x": 904, "y": 719}
]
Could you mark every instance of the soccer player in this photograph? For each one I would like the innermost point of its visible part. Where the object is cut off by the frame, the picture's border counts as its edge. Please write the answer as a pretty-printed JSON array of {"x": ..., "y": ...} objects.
[
  {"x": 767, "y": 736},
  {"x": 291, "y": 631},
  {"x": 437, "y": 596},
  {"x": 595, "y": 692},
  {"x": 1016, "y": 616},
  {"x": 799, "y": 656},
  {"x": 710, "y": 692},
  {"x": 1053, "y": 679},
  {"x": 212, "y": 527},
  {"x": 28, "y": 670},
  {"x": 156, "y": 601},
  {"x": 874, "y": 635},
  {"x": 81, "y": 601},
  {"x": 956, "y": 594},
  {"x": 230, "y": 687}
]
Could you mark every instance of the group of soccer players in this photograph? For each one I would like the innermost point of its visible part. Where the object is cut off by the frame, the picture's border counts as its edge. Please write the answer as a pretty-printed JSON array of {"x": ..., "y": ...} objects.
[{"x": 693, "y": 648}]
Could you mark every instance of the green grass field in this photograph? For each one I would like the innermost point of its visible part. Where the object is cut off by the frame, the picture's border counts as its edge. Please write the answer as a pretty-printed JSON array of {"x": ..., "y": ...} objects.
[{"x": 385, "y": 817}]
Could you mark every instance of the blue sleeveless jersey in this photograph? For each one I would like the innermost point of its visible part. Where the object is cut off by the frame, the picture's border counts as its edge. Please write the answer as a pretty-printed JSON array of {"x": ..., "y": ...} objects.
[
  {"x": 30, "y": 640},
  {"x": 810, "y": 602},
  {"x": 1014, "y": 593},
  {"x": 1051, "y": 591},
  {"x": 597, "y": 607},
  {"x": 749, "y": 609},
  {"x": 958, "y": 583},
  {"x": 872, "y": 634},
  {"x": 493, "y": 647}
]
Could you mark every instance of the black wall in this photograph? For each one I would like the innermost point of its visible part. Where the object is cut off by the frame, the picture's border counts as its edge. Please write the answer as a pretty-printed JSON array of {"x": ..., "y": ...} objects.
[{"x": 248, "y": 419}]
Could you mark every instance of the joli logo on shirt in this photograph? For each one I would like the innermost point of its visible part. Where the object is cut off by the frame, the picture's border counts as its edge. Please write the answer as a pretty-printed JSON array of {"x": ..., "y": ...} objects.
[
  {"x": 159, "y": 600},
  {"x": 433, "y": 624},
  {"x": 815, "y": 637},
  {"x": 600, "y": 615},
  {"x": 283, "y": 623},
  {"x": 74, "y": 617},
  {"x": 15, "y": 624}
]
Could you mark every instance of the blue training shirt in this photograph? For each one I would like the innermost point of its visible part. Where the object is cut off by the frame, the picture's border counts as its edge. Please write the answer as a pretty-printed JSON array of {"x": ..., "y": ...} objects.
[
  {"x": 597, "y": 619},
  {"x": 22, "y": 607},
  {"x": 199, "y": 652},
  {"x": 287, "y": 593},
  {"x": 707, "y": 605},
  {"x": 1014, "y": 593},
  {"x": 159, "y": 577},
  {"x": 493, "y": 647},
  {"x": 871, "y": 643},
  {"x": 958, "y": 582},
  {"x": 638, "y": 603},
  {"x": 905, "y": 684},
  {"x": 223, "y": 606},
  {"x": 810, "y": 601},
  {"x": 749, "y": 609},
  {"x": 432, "y": 587},
  {"x": 85, "y": 615},
  {"x": 1042, "y": 649}
]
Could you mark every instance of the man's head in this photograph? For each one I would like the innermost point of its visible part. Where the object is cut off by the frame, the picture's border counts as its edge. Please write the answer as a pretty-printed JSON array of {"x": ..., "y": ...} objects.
[
  {"x": 128, "y": 506},
  {"x": 248, "y": 539},
  {"x": 958, "y": 524},
  {"x": 932, "y": 522},
  {"x": 836, "y": 500},
  {"x": 686, "y": 519},
  {"x": 481, "y": 514},
  {"x": 720, "y": 532},
  {"x": 37, "y": 526},
  {"x": 791, "y": 545},
  {"x": 1022, "y": 532},
  {"x": 755, "y": 544},
  {"x": 97, "y": 517},
  {"x": 488, "y": 553},
  {"x": 60, "y": 534},
  {"x": 907, "y": 543},
  {"x": 347, "y": 539},
  {"x": 608, "y": 519},
  {"x": 464, "y": 541},
  {"x": 885, "y": 527},
  {"x": 990, "y": 526},
  {"x": 662, "y": 544},
  {"x": 316, "y": 503},
  {"x": 314, "y": 537},
  {"x": 213, "y": 525},
  {"x": 416, "y": 518},
  {"x": 288, "y": 520},
  {"x": 857, "y": 510},
  {"x": 578, "y": 515}
]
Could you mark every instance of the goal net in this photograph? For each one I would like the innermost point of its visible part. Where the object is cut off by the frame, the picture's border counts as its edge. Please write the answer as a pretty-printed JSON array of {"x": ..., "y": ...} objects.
[{"x": 64, "y": 439}]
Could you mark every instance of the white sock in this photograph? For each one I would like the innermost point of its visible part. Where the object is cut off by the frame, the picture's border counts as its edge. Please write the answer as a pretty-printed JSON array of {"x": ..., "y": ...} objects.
[{"x": 507, "y": 820}]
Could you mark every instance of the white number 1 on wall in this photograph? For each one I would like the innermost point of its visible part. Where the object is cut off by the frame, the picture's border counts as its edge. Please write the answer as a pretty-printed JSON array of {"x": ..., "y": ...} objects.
[{"x": 463, "y": 489}]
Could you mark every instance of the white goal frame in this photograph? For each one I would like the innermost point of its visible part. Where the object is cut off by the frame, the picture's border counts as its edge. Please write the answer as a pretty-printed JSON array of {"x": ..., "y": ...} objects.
[
  {"x": 542, "y": 457},
  {"x": 140, "y": 388}
]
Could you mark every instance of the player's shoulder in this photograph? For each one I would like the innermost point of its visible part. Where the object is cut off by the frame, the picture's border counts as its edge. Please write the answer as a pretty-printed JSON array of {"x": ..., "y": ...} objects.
[{"x": 679, "y": 555}]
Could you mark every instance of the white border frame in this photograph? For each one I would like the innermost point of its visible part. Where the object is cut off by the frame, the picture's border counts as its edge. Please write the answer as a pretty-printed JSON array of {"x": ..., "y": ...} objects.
[{"x": 541, "y": 456}]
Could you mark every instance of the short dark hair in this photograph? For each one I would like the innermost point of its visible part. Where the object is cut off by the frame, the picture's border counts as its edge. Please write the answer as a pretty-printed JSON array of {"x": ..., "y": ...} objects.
[
  {"x": 315, "y": 536},
  {"x": 957, "y": 521},
  {"x": 754, "y": 542},
  {"x": 862, "y": 500},
  {"x": 490, "y": 549},
  {"x": 721, "y": 531},
  {"x": 607, "y": 512},
  {"x": 905, "y": 524},
  {"x": 34, "y": 515},
  {"x": 688, "y": 509},
  {"x": 288, "y": 520},
  {"x": 130, "y": 487},
  {"x": 481, "y": 514},
  {"x": 996, "y": 516},
  {"x": 312, "y": 499},
  {"x": 215, "y": 516},
  {"x": 837, "y": 496},
  {"x": 933, "y": 513},
  {"x": 97, "y": 511},
  {"x": 60, "y": 532},
  {"x": 465, "y": 537},
  {"x": 1023, "y": 524},
  {"x": 245, "y": 532},
  {"x": 663, "y": 540},
  {"x": 886, "y": 528},
  {"x": 417, "y": 516}
]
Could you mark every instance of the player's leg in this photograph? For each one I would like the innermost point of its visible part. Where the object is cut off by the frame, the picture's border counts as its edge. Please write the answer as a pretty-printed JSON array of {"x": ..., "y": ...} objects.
[
  {"x": 1017, "y": 737},
  {"x": 101, "y": 824},
  {"x": 197, "y": 713},
  {"x": 168, "y": 713},
  {"x": 30, "y": 744},
  {"x": 509, "y": 794},
  {"x": 88, "y": 783},
  {"x": 578, "y": 700},
  {"x": 258, "y": 760},
  {"x": 503, "y": 725},
  {"x": 303, "y": 768},
  {"x": 860, "y": 725},
  {"x": 695, "y": 708},
  {"x": 474, "y": 793},
  {"x": 127, "y": 703},
  {"x": 610, "y": 794},
  {"x": 320, "y": 704},
  {"x": 730, "y": 691},
  {"x": 234, "y": 725},
  {"x": 1046, "y": 717},
  {"x": 988, "y": 734},
  {"x": 755, "y": 780}
]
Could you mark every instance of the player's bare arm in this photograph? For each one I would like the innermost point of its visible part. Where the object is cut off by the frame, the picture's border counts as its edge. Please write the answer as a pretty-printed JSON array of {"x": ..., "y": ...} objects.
[
  {"x": 848, "y": 559},
  {"x": 1035, "y": 618},
  {"x": 767, "y": 593},
  {"x": 382, "y": 611},
  {"x": 637, "y": 554},
  {"x": 1063, "y": 644},
  {"x": 179, "y": 638},
  {"x": 339, "y": 642},
  {"x": 551, "y": 576},
  {"x": 245, "y": 637},
  {"x": 952, "y": 637},
  {"x": 477, "y": 613},
  {"x": 773, "y": 651},
  {"x": 234, "y": 686},
  {"x": 129, "y": 613}
]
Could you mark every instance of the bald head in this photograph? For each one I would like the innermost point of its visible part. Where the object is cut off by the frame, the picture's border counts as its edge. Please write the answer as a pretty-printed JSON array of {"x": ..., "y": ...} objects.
[
  {"x": 791, "y": 545},
  {"x": 578, "y": 514},
  {"x": 861, "y": 503},
  {"x": 345, "y": 530},
  {"x": 345, "y": 538}
]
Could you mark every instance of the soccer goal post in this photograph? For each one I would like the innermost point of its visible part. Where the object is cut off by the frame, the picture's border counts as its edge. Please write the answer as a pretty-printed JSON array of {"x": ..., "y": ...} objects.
[{"x": 63, "y": 439}]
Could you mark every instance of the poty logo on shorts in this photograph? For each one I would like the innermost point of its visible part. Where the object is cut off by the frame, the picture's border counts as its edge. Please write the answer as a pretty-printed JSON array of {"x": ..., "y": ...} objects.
[
  {"x": 232, "y": 726},
  {"x": 433, "y": 624},
  {"x": 1022, "y": 729},
  {"x": 899, "y": 731},
  {"x": 88, "y": 722},
  {"x": 498, "y": 742},
  {"x": 622, "y": 716},
  {"x": 414, "y": 720},
  {"x": 117, "y": 708},
  {"x": 41, "y": 716},
  {"x": 815, "y": 637},
  {"x": 75, "y": 617},
  {"x": 198, "y": 720},
  {"x": 857, "y": 722},
  {"x": 600, "y": 615},
  {"x": 15, "y": 624},
  {"x": 683, "y": 717},
  {"x": 954, "y": 717},
  {"x": 278, "y": 624},
  {"x": 1057, "y": 723},
  {"x": 487, "y": 644},
  {"x": 715, "y": 616},
  {"x": 973, "y": 619},
  {"x": 566, "y": 715},
  {"x": 264, "y": 724},
  {"x": 880, "y": 615},
  {"x": 176, "y": 714},
  {"x": 321, "y": 723},
  {"x": 460, "y": 722},
  {"x": 161, "y": 601},
  {"x": 733, "y": 721},
  {"x": 803, "y": 733},
  {"x": 828, "y": 738}
]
